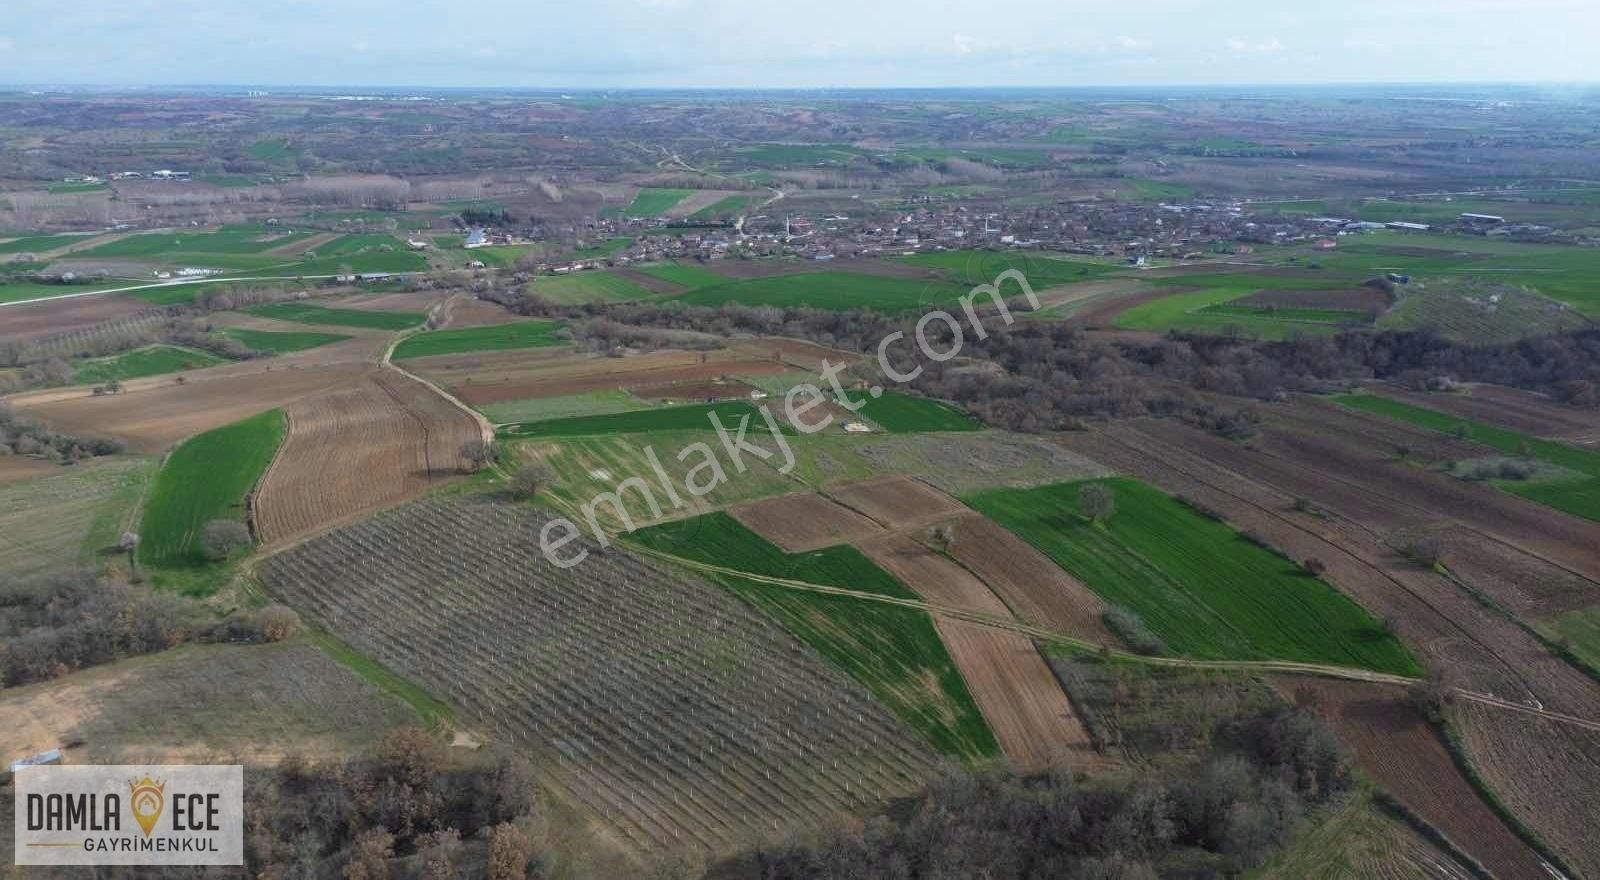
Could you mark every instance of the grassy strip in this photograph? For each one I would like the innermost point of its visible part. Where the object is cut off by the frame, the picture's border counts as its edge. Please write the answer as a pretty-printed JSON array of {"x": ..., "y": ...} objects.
[
  {"x": 982, "y": 267},
  {"x": 498, "y": 337},
  {"x": 830, "y": 290},
  {"x": 895, "y": 652},
  {"x": 423, "y": 703},
  {"x": 207, "y": 478},
  {"x": 587, "y": 287},
  {"x": 152, "y": 360},
  {"x": 281, "y": 343},
  {"x": 308, "y": 313},
  {"x": 692, "y": 277},
  {"x": 653, "y": 202},
  {"x": 539, "y": 409},
  {"x": 672, "y": 418},
  {"x": 1206, "y": 590}
]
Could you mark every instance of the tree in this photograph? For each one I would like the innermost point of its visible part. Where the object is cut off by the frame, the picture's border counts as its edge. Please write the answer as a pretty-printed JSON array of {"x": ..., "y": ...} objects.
[
  {"x": 369, "y": 855},
  {"x": 1097, "y": 501},
  {"x": 478, "y": 452},
  {"x": 1426, "y": 551},
  {"x": 129, "y": 544},
  {"x": 530, "y": 478},
  {"x": 278, "y": 622},
  {"x": 221, "y": 538},
  {"x": 440, "y": 852},
  {"x": 509, "y": 852}
]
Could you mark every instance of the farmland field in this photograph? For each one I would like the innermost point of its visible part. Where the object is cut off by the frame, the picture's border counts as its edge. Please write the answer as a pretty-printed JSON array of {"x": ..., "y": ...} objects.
[
  {"x": 894, "y": 651},
  {"x": 829, "y": 290},
  {"x": 282, "y": 342},
  {"x": 970, "y": 268},
  {"x": 684, "y": 274},
  {"x": 651, "y": 202},
  {"x": 900, "y": 413},
  {"x": 665, "y": 708},
  {"x": 671, "y": 418},
  {"x": 64, "y": 517},
  {"x": 593, "y": 403},
  {"x": 1185, "y": 575},
  {"x": 519, "y": 334},
  {"x": 309, "y": 313},
  {"x": 206, "y": 478},
  {"x": 1577, "y": 494},
  {"x": 152, "y": 360},
  {"x": 960, "y": 463},
  {"x": 581, "y": 287}
]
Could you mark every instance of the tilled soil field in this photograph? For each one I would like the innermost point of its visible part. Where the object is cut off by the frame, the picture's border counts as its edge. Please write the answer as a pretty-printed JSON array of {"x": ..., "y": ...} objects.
[
  {"x": 1358, "y": 299},
  {"x": 33, "y": 320},
  {"x": 357, "y": 449},
  {"x": 1036, "y": 589},
  {"x": 1506, "y": 407},
  {"x": 1546, "y": 772},
  {"x": 492, "y": 378},
  {"x": 1394, "y": 746},
  {"x": 804, "y": 521},
  {"x": 897, "y": 502}
]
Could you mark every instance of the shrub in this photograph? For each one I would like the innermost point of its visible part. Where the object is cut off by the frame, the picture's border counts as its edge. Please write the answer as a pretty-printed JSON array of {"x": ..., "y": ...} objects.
[
  {"x": 1097, "y": 501},
  {"x": 221, "y": 538},
  {"x": 1127, "y": 625}
]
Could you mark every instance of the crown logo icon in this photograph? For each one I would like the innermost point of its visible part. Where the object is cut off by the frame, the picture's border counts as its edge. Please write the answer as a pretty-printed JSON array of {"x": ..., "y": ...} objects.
[{"x": 147, "y": 798}]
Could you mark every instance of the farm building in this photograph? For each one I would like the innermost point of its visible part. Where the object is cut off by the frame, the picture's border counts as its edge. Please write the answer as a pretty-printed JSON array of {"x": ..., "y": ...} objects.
[{"x": 477, "y": 237}]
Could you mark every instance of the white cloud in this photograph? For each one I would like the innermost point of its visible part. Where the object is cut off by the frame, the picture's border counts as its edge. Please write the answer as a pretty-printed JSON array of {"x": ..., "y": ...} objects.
[
  {"x": 1133, "y": 44},
  {"x": 1237, "y": 44}
]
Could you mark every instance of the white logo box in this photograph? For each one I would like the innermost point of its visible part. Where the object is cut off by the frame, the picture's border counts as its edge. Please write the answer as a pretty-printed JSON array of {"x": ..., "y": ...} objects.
[{"x": 96, "y": 814}]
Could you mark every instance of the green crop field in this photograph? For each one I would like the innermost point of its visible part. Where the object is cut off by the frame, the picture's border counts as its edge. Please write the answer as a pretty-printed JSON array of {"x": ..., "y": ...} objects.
[
  {"x": 982, "y": 267},
  {"x": 603, "y": 249},
  {"x": 906, "y": 413},
  {"x": 282, "y": 343},
  {"x": 894, "y": 651},
  {"x": 726, "y": 207},
  {"x": 17, "y": 291},
  {"x": 687, "y": 275},
  {"x": 1579, "y": 632},
  {"x": 206, "y": 478},
  {"x": 585, "y": 287},
  {"x": 498, "y": 337},
  {"x": 1577, "y": 494},
  {"x": 152, "y": 360},
  {"x": 651, "y": 202},
  {"x": 243, "y": 240},
  {"x": 33, "y": 243},
  {"x": 538, "y": 409},
  {"x": 308, "y": 313},
  {"x": 1289, "y": 313},
  {"x": 830, "y": 290},
  {"x": 1206, "y": 310},
  {"x": 1199, "y": 585},
  {"x": 668, "y": 418}
]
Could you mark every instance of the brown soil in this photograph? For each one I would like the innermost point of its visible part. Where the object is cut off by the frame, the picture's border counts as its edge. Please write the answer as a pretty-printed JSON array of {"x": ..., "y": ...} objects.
[
  {"x": 1037, "y": 590},
  {"x": 417, "y": 301},
  {"x": 20, "y": 467},
  {"x": 797, "y": 353},
  {"x": 934, "y": 577},
  {"x": 33, "y": 320},
  {"x": 1106, "y": 313},
  {"x": 1359, "y": 299},
  {"x": 485, "y": 382},
  {"x": 695, "y": 201},
  {"x": 1395, "y": 746},
  {"x": 897, "y": 502},
  {"x": 464, "y": 311},
  {"x": 1546, "y": 772},
  {"x": 1506, "y": 407},
  {"x": 803, "y": 521},
  {"x": 357, "y": 449},
  {"x": 1526, "y": 585}
]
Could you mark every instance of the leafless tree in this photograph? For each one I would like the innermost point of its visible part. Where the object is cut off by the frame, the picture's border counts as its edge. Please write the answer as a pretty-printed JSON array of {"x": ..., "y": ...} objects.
[{"x": 1097, "y": 501}]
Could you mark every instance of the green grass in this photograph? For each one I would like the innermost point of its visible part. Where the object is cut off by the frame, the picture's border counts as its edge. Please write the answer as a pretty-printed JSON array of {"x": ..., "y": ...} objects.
[
  {"x": 907, "y": 414},
  {"x": 686, "y": 275},
  {"x": 1579, "y": 496},
  {"x": 280, "y": 342},
  {"x": 63, "y": 188},
  {"x": 1289, "y": 313},
  {"x": 582, "y": 287},
  {"x": 1199, "y": 585},
  {"x": 894, "y": 651},
  {"x": 982, "y": 267},
  {"x": 593, "y": 403},
  {"x": 1579, "y": 632},
  {"x": 1206, "y": 310},
  {"x": 206, "y": 478},
  {"x": 652, "y": 202},
  {"x": 429, "y": 708},
  {"x": 17, "y": 291},
  {"x": 308, "y": 313},
  {"x": 830, "y": 290},
  {"x": 152, "y": 360},
  {"x": 669, "y": 418},
  {"x": 726, "y": 207},
  {"x": 33, "y": 243},
  {"x": 1143, "y": 189},
  {"x": 518, "y": 334},
  {"x": 235, "y": 241},
  {"x": 603, "y": 249}
]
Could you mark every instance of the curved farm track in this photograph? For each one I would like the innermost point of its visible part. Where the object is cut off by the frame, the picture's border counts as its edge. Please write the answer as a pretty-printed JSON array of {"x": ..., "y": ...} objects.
[{"x": 356, "y": 449}]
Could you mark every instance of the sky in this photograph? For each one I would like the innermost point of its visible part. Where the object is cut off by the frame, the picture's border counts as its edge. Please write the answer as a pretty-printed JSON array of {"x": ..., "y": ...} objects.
[{"x": 794, "y": 44}]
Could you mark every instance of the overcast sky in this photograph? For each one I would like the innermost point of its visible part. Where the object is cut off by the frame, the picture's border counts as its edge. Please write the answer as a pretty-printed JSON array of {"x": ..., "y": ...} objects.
[{"x": 797, "y": 43}]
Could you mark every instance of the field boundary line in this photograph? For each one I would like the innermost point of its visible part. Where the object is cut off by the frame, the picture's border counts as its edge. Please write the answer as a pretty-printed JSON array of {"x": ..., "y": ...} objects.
[{"x": 485, "y": 427}]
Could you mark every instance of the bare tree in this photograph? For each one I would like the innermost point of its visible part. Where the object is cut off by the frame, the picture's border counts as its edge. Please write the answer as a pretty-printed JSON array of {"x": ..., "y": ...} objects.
[
  {"x": 478, "y": 453},
  {"x": 221, "y": 538},
  {"x": 1097, "y": 501},
  {"x": 509, "y": 852},
  {"x": 530, "y": 478}
]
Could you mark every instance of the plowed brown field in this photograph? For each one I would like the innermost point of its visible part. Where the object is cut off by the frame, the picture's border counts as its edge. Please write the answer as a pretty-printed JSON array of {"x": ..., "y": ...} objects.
[
  {"x": 1394, "y": 745},
  {"x": 357, "y": 449},
  {"x": 59, "y": 315},
  {"x": 496, "y": 377},
  {"x": 897, "y": 502},
  {"x": 1507, "y": 407},
  {"x": 1037, "y": 590},
  {"x": 804, "y": 521},
  {"x": 1546, "y": 772},
  {"x": 1013, "y": 686}
]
